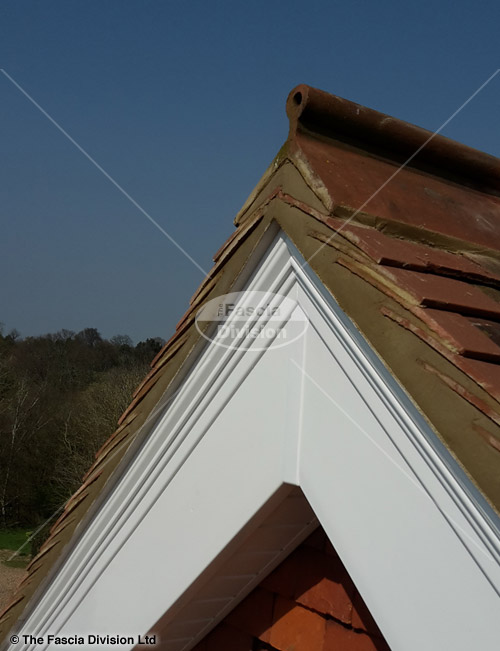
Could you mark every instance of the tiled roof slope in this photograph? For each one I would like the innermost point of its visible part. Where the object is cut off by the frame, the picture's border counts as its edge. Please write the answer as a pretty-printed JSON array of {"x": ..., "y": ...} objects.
[
  {"x": 426, "y": 234},
  {"x": 308, "y": 603},
  {"x": 411, "y": 255}
]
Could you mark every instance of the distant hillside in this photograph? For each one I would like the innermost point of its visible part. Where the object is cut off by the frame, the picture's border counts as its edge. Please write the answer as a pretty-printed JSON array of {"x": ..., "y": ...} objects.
[{"x": 61, "y": 395}]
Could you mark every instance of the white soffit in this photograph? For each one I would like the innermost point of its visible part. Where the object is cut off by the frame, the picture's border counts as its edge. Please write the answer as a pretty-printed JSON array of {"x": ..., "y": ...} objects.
[{"x": 207, "y": 506}]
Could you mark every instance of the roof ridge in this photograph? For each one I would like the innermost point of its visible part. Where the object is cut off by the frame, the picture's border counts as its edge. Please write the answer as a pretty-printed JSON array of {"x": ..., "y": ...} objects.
[{"x": 312, "y": 110}]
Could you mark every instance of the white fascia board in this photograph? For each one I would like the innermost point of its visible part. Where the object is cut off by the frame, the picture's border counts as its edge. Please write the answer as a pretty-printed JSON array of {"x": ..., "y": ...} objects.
[
  {"x": 324, "y": 414},
  {"x": 417, "y": 547},
  {"x": 209, "y": 450}
]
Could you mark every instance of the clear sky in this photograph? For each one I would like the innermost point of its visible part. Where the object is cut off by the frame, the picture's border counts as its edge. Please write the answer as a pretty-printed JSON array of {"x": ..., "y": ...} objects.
[{"x": 182, "y": 103}]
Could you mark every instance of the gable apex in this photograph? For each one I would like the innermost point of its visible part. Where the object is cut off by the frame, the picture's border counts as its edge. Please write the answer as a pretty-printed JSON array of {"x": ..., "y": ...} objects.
[
  {"x": 380, "y": 422},
  {"x": 325, "y": 418}
]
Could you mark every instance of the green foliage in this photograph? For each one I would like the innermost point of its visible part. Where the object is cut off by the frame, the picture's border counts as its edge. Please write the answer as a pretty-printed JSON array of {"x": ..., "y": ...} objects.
[
  {"x": 60, "y": 398},
  {"x": 14, "y": 539}
]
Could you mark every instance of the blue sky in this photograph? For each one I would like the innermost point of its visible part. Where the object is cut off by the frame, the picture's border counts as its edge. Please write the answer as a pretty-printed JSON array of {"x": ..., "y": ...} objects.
[{"x": 183, "y": 104}]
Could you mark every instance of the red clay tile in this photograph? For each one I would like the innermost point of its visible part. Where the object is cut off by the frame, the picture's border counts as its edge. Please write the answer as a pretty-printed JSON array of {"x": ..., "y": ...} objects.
[
  {"x": 414, "y": 200},
  {"x": 56, "y": 530},
  {"x": 395, "y": 252},
  {"x": 243, "y": 230},
  {"x": 295, "y": 628},
  {"x": 324, "y": 218},
  {"x": 105, "y": 449},
  {"x": 323, "y": 584},
  {"x": 361, "y": 616},
  {"x": 485, "y": 374},
  {"x": 226, "y": 638},
  {"x": 157, "y": 361},
  {"x": 414, "y": 204},
  {"x": 443, "y": 293},
  {"x": 427, "y": 290},
  {"x": 339, "y": 638},
  {"x": 489, "y": 328},
  {"x": 460, "y": 333},
  {"x": 254, "y": 615}
]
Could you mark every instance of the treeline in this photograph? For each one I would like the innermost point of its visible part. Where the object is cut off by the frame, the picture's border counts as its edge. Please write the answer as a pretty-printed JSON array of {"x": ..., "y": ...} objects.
[{"x": 60, "y": 398}]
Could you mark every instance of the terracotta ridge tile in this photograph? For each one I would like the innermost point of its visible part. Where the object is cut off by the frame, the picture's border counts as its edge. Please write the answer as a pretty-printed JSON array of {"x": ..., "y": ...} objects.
[
  {"x": 326, "y": 115},
  {"x": 463, "y": 392},
  {"x": 300, "y": 160}
]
